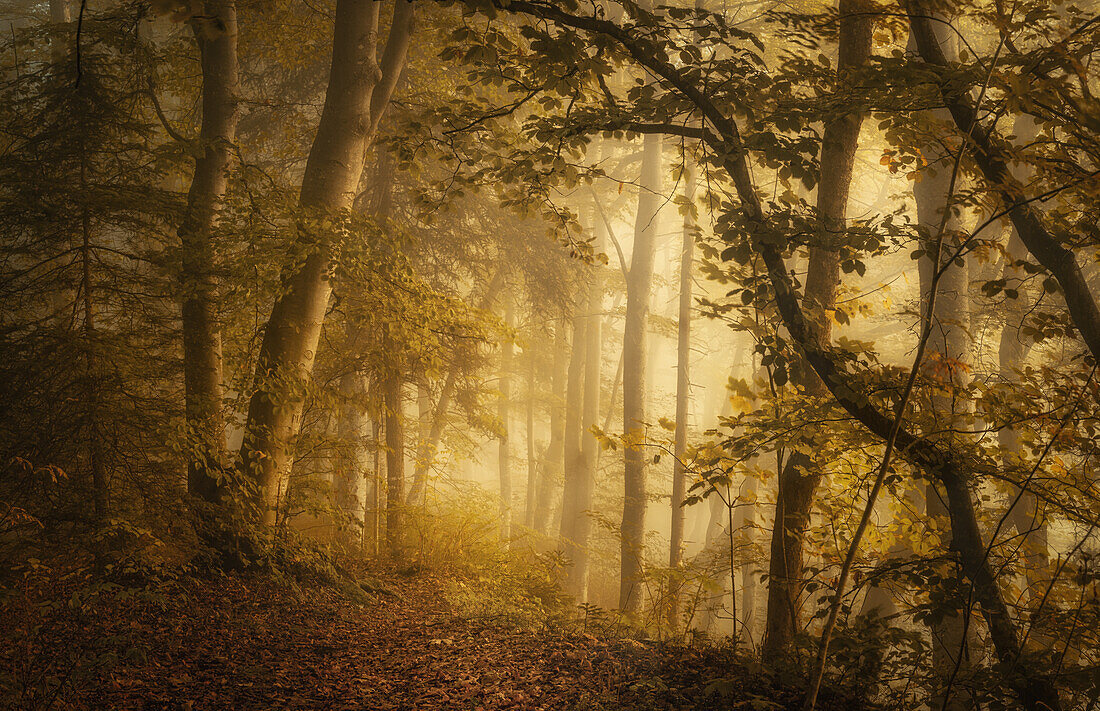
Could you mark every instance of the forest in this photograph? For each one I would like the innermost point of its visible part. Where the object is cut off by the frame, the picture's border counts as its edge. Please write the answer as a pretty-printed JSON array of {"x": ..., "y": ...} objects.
[{"x": 549, "y": 354}]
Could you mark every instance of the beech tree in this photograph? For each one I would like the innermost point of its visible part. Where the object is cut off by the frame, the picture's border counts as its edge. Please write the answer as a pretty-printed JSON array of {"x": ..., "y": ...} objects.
[
  {"x": 360, "y": 88},
  {"x": 215, "y": 31},
  {"x": 801, "y": 475}
]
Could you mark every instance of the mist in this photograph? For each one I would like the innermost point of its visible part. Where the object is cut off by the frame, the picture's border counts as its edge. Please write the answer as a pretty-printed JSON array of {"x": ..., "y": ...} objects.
[{"x": 548, "y": 354}]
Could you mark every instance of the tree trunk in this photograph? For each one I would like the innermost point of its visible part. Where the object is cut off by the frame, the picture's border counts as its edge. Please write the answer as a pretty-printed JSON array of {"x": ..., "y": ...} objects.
[
  {"x": 351, "y": 460},
  {"x": 373, "y": 514},
  {"x": 572, "y": 502},
  {"x": 216, "y": 35},
  {"x": 424, "y": 445},
  {"x": 428, "y": 444},
  {"x": 991, "y": 159},
  {"x": 746, "y": 523},
  {"x": 395, "y": 461},
  {"x": 683, "y": 367},
  {"x": 947, "y": 357},
  {"x": 1026, "y": 516},
  {"x": 358, "y": 93},
  {"x": 532, "y": 461},
  {"x": 60, "y": 14},
  {"x": 800, "y": 476},
  {"x": 552, "y": 458},
  {"x": 638, "y": 288},
  {"x": 504, "y": 468},
  {"x": 353, "y": 385},
  {"x": 590, "y": 414}
]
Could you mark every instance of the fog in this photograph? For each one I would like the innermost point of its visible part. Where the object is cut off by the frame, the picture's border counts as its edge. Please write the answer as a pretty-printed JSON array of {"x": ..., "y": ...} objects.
[{"x": 767, "y": 329}]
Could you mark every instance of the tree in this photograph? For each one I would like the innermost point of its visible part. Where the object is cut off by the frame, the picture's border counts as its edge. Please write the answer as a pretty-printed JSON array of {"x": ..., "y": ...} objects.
[
  {"x": 1025, "y": 513},
  {"x": 683, "y": 365},
  {"x": 504, "y": 469},
  {"x": 801, "y": 474},
  {"x": 358, "y": 94},
  {"x": 215, "y": 31},
  {"x": 574, "y": 489},
  {"x": 638, "y": 288},
  {"x": 393, "y": 397},
  {"x": 550, "y": 467},
  {"x": 86, "y": 338}
]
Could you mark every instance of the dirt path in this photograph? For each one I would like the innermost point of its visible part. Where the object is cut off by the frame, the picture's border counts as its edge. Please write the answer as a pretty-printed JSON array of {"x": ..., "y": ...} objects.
[{"x": 239, "y": 644}]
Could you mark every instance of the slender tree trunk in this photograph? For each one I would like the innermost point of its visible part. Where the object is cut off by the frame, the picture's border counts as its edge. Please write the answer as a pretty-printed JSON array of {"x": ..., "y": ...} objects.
[
  {"x": 683, "y": 368},
  {"x": 800, "y": 476},
  {"x": 638, "y": 290},
  {"x": 393, "y": 395},
  {"x": 353, "y": 385},
  {"x": 216, "y": 35},
  {"x": 616, "y": 385},
  {"x": 424, "y": 412},
  {"x": 715, "y": 542},
  {"x": 1026, "y": 515},
  {"x": 947, "y": 359},
  {"x": 532, "y": 461},
  {"x": 746, "y": 523},
  {"x": 590, "y": 413},
  {"x": 572, "y": 503},
  {"x": 373, "y": 515},
  {"x": 555, "y": 449},
  {"x": 348, "y": 474},
  {"x": 428, "y": 445},
  {"x": 504, "y": 455},
  {"x": 358, "y": 92},
  {"x": 993, "y": 162}
]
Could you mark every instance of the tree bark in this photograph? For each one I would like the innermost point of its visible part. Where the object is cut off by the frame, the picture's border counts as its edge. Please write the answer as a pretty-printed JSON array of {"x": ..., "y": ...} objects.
[
  {"x": 572, "y": 503},
  {"x": 801, "y": 474},
  {"x": 373, "y": 515},
  {"x": 428, "y": 445},
  {"x": 639, "y": 286},
  {"x": 552, "y": 458},
  {"x": 393, "y": 395},
  {"x": 948, "y": 355},
  {"x": 60, "y": 14},
  {"x": 590, "y": 411},
  {"x": 424, "y": 420},
  {"x": 532, "y": 460},
  {"x": 216, "y": 35},
  {"x": 683, "y": 367},
  {"x": 358, "y": 92},
  {"x": 745, "y": 521},
  {"x": 504, "y": 468},
  {"x": 348, "y": 476},
  {"x": 94, "y": 426},
  {"x": 1026, "y": 516}
]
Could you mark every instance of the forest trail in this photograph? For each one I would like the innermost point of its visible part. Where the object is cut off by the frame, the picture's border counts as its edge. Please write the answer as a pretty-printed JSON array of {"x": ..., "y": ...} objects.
[{"x": 249, "y": 644}]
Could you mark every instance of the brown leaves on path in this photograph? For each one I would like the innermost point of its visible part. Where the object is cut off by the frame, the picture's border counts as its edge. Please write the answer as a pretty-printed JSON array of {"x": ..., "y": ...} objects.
[{"x": 247, "y": 643}]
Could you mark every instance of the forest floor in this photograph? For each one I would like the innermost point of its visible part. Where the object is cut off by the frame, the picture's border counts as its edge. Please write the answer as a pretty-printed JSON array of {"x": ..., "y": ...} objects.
[{"x": 248, "y": 642}]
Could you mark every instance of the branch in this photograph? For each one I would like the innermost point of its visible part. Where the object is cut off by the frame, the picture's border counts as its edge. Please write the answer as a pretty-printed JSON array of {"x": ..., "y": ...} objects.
[
  {"x": 393, "y": 60},
  {"x": 991, "y": 161},
  {"x": 172, "y": 132},
  {"x": 664, "y": 129}
]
